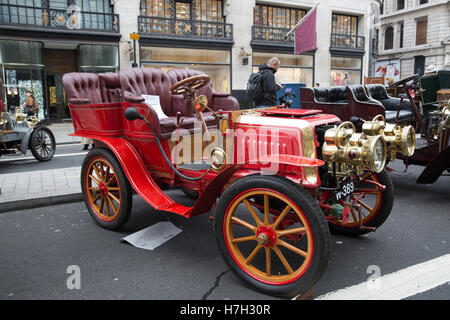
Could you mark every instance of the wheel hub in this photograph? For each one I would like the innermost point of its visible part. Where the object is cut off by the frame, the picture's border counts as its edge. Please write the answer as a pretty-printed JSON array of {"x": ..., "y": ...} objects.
[
  {"x": 103, "y": 189},
  {"x": 266, "y": 236}
]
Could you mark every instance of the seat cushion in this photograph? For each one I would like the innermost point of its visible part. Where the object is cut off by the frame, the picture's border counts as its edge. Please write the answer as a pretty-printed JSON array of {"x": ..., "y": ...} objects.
[
  {"x": 168, "y": 126},
  {"x": 404, "y": 116},
  {"x": 392, "y": 104}
]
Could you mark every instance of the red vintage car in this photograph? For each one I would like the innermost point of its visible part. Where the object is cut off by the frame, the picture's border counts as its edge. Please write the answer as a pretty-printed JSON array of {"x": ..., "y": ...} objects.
[{"x": 276, "y": 179}]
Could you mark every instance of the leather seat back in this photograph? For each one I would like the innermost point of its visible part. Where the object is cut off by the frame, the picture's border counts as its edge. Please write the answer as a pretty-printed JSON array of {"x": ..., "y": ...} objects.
[
  {"x": 80, "y": 86},
  {"x": 148, "y": 81},
  {"x": 110, "y": 87}
]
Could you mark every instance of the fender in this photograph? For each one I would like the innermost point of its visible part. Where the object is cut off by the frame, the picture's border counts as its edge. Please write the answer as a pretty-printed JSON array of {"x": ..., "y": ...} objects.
[
  {"x": 24, "y": 144},
  {"x": 213, "y": 190},
  {"x": 435, "y": 168},
  {"x": 139, "y": 177}
]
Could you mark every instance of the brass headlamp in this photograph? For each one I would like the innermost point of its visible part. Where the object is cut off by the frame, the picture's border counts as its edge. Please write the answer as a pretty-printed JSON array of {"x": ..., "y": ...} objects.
[
  {"x": 398, "y": 139},
  {"x": 19, "y": 116},
  {"x": 345, "y": 150}
]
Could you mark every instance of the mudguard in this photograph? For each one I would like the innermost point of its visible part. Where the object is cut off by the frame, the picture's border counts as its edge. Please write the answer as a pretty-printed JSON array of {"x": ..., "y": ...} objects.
[
  {"x": 140, "y": 178},
  {"x": 24, "y": 144},
  {"x": 435, "y": 168}
]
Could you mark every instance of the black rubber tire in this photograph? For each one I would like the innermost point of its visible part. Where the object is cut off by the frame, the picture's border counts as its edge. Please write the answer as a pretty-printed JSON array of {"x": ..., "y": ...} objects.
[
  {"x": 35, "y": 142},
  {"x": 125, "y": 189},
  {"x": 314, "y": 216},
  {"x": 387, "y": 202}
]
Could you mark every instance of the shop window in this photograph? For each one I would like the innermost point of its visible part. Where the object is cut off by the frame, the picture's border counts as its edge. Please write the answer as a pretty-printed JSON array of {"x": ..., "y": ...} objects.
[
  {"x": 401, "y": 29},
  {"x": 200, "y": 10},
  {"x": 345, "y": 71},
  {"x": 215, "y": 63},
  {"x": 23, "y": 69},
  {"x": 421, "y": 31},
  {"x": 277, "y": 17},
  {"x": 293, "y": 68},
  {"x": 389, "y": 38},
  {"x": 96, "y": 58}
]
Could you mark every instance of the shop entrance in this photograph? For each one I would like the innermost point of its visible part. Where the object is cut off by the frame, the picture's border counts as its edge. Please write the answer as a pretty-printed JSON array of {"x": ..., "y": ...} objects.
[{"x": 57, "y": 63}]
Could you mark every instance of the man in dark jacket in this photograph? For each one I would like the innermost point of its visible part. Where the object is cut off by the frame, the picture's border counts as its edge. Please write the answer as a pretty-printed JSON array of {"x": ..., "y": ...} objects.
[{"x": 269, "y": 85}]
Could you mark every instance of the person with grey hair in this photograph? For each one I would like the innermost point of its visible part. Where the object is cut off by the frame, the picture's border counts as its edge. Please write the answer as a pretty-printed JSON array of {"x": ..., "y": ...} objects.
[{"x": 268, "y": 84}]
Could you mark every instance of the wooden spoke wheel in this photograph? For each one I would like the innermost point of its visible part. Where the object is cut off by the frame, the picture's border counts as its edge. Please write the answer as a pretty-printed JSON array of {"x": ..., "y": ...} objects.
[
  {"x": 106, "y": 189},
  {"x": 272, "y": 234},
  {"x": 373, "y": 200},
  {"x": 42, "y": 144}
]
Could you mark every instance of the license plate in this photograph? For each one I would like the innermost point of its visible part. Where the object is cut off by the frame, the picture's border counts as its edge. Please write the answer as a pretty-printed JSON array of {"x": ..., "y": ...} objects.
[{"x": 345, "y": 190}]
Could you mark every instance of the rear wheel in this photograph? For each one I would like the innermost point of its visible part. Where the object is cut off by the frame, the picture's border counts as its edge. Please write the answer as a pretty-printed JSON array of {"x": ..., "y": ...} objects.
[
  {"x": 42, "y": 144},
  {"x": 375, "y": 205},
  {"x": 272, "y": 234},
  {"x": 106, "y": 189}
]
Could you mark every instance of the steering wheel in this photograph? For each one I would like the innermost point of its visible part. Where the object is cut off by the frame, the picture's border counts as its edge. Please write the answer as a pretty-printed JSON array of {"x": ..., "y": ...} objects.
[
  {"x": 188, "y": 86},
  {"x": 404, "y": 81}
]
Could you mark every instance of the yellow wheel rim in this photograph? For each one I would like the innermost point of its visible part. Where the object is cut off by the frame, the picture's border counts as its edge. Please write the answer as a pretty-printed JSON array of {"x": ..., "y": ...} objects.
[
  {"x": 280, "y": 261},
  {"x": 103, "y": 189}
]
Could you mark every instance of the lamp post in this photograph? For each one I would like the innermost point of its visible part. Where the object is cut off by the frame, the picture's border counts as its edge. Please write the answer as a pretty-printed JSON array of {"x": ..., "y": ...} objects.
[{"x": 134, "y": 36}]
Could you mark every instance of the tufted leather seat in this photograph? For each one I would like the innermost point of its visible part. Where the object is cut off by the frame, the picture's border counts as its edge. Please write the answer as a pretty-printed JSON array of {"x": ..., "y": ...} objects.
[
  {"x": 82, "y": 88},
  {"x": 321, "y": 94},
  {"x": 216, "y": 100},
  {"x": 136, "y": 82},
  {"x": 378, "y": 92},
  {"x": 110, "y": 87},
  {"x": 337, "y": 94}
]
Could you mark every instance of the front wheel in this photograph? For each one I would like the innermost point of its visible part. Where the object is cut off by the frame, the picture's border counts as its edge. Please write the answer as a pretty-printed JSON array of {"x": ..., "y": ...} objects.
[
  {"x": 272, "y": 234},
  {"x": 107, "y": 192},
  {"x": 373, "y": 201},
  {"x": 42, "y": 144}
]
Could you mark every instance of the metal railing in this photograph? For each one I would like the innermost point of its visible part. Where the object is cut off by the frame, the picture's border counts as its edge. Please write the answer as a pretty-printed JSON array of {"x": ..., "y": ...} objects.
[
  {"x": 43, "y": 17},
  {"x": 263, "y": 33},
  {"x": 347, "y": 41},
  {"x": 169, "y": 27}
]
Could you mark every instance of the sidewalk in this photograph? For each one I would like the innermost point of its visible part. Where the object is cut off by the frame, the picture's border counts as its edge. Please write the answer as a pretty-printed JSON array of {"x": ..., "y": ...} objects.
[
  {"x": 61, "y": 131},
  {"x": 26, "y": 190}
]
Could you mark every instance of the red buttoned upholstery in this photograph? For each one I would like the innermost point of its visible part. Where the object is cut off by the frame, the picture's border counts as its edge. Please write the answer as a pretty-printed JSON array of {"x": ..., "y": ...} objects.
[
  {"x": 82, "y": 88},
  {"x": 110, "y": 87}
]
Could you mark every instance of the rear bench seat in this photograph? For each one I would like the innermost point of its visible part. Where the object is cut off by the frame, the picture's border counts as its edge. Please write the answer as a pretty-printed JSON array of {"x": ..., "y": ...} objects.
[
  {"x": 136, "y": 82},
  {"x": 378, "y": 92}
]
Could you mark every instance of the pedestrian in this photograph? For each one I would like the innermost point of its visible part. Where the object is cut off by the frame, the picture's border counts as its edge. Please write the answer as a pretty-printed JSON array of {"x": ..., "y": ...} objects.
[
  {"x": 268, "y": 84},
  {"x": 87, "y": 142},
  {"x": 317, "y": 85},
  {"x": 30, "y": 106}
]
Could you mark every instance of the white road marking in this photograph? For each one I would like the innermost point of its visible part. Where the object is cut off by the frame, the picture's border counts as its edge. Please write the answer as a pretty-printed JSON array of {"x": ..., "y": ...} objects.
[
  {"x": 32, "y": 158},
  {"x": 399, "y": 285}
]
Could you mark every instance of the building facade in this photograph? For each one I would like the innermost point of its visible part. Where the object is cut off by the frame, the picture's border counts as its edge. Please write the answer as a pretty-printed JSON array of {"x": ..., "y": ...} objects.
[
  {"x": 414, "y": 35},
  {"x": 40, "y": 40}
]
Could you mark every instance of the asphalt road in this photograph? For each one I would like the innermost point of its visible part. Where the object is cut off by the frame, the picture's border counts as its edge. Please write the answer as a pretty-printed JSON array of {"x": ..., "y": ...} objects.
[
  {"x": 66, "y": 156},
  {"x": 39, "y": 245}
]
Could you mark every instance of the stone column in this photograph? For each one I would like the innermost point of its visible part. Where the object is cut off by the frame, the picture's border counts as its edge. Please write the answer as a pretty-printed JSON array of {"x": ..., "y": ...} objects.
[{"x": 128, "y": 11}]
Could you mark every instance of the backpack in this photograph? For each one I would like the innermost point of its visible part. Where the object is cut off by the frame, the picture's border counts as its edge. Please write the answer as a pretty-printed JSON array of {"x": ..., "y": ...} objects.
[{"x": 254, "y": 87}]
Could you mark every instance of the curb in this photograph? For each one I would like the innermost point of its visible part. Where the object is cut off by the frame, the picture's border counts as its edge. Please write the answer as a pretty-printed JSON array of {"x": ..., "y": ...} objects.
[{"x": 40, "y": 202}]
